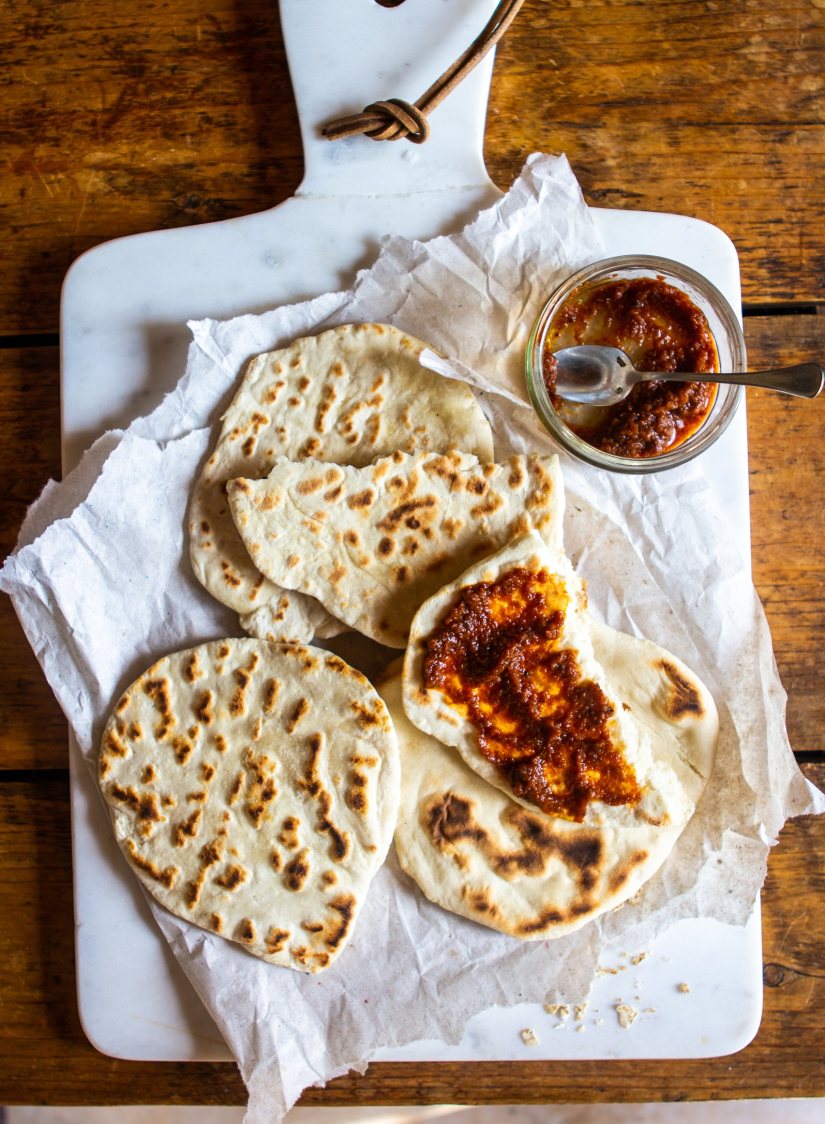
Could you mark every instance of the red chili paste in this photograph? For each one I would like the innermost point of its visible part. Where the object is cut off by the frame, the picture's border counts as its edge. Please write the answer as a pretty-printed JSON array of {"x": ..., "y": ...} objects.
[
  {"x": 497, "y": 659},
  {"x": 661, "y": 329}
]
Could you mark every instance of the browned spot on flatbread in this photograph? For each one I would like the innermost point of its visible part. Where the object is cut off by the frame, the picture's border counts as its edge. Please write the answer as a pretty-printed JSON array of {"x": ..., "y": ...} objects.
[
  {"x": 479, "y": 901},
  {"x": 237, "y": 786},
  {"x": 361, "y": 499},
  {"x": 288, "y": 836},
  {"x": 369, "y": 714},
  {"x": 183, "y": 748},
  {"x": 296, "y": 871},
  {"x": 230, "y": 575},
  {"x": 148, "y": 774},
  {"x": 204, "y": 708},
  {"x": 339, "y": 847},
  {"x": 242, "y": 676},
  {"x": 450, "y": 822},
  {"x": 305, "y": 956},
  {"x": 313, "y": 484},
  {"x": 275, "y": 940},
  {"x": 261, "y": 790},
  {"x": 193, "y": 669},
  {"x": 299, "y": 711},
  {"x": 113, "y": 746},
  {"x": 187, "y": 829},
  {"x": 216, "y": 923},
  {"x": 231, "y": 877},
  {"x": 210, "y": 854},
  {"x": 143, "y": 804},
  {"x": 684, "y": 699},
  {"x": 245, "y": 932},
  {"x": 270, "y": 695},
  {"x": 619, "y": 876},
  {"x": 159, "y": 691},
  {"x": 411, "y": 514},
  {"x": 167, "y": 877}
]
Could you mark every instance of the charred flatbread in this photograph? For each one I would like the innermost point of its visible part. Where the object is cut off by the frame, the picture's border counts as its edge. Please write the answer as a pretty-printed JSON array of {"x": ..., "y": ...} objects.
[
  {"x": 253, "y": 788},
  {"x": 477, "y": 852},
  {"x": 502, "y": 665},
  {"x": 372, "y": 543},
  {"x": 347, "y": 395}
]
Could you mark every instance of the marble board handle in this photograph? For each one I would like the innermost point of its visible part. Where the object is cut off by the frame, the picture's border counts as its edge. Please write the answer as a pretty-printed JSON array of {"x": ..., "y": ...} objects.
[{"x": 344, "y": 54}]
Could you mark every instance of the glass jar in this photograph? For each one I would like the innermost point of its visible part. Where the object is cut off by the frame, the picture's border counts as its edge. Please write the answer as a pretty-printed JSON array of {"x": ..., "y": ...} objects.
[{"x": 724, "y": 327}]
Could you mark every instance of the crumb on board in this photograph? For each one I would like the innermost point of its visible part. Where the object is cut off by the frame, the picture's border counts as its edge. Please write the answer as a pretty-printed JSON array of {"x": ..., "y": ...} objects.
[
  {"x": 649, "y": 1011},
  {"x": 626, "y": 1014},
  {"x": 578, "y": 1011},
  {"x": 560, "y": 1010},
  {"x": 602, "y": 971},
  {"x": 683, "y": 987},
  {"x": 580, "y": 1028},
  {"x": 639, "y": 957},
  {"x": 529, "y": 1036}
]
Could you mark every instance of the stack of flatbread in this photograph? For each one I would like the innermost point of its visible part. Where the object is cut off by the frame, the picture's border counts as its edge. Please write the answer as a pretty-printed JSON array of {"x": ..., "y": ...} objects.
[{"x": 254, "y": 784}]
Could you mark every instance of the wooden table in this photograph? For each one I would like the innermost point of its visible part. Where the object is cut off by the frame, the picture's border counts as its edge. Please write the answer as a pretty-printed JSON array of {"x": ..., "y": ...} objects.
[{"x": 118, "y": 119}]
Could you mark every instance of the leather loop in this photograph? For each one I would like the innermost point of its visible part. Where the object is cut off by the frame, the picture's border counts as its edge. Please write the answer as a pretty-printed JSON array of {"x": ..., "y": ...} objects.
[{"x": 395, "y": 118}]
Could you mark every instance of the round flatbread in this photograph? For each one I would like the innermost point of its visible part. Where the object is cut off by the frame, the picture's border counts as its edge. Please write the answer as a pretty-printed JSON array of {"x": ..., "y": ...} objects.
[
  {"x": 253, "y": 788},
  {"x": 348, "y": 395},
  {"x": 564, "y": 742},
  {"x": 478, "y": 853}
]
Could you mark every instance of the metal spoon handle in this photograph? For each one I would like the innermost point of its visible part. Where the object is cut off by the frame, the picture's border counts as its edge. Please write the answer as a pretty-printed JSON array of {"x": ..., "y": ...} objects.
[{"x": 805, "y": 380}]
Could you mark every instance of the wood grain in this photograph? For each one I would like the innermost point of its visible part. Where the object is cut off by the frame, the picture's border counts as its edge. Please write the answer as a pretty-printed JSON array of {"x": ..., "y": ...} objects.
[
  {"x": 787, "y": 467},
  {"x": 47, "y": 1060},
  {"x": 114, "y": 124}
]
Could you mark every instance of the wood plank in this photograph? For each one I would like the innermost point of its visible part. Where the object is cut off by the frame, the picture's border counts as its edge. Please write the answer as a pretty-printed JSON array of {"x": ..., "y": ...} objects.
[
  {"x": 787, "y": 466},
  {"x": 34, "y": 731},
  {"x": 48, "y": 1061},
  {"x": 118, "y": 124}
]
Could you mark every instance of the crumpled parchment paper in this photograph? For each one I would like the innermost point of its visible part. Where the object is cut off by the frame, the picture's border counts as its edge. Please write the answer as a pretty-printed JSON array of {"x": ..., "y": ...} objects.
[{"x": 102, "y": 585}]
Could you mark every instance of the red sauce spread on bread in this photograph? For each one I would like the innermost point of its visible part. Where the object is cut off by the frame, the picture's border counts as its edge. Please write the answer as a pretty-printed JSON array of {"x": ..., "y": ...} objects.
[
  {"x": 661, "y": 329},
  {"x": 497, "y": 659}
]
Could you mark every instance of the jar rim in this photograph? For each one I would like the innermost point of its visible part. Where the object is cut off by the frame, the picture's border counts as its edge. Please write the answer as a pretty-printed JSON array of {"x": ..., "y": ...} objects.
[{"x": 704, "y": 293}]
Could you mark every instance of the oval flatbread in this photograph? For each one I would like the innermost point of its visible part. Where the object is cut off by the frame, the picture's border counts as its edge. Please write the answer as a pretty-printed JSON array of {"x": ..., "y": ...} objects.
[
  {"x": 478, "y": 853},
  {"x": 348, "y": 395},
  {"x": 253, "y": 788}
]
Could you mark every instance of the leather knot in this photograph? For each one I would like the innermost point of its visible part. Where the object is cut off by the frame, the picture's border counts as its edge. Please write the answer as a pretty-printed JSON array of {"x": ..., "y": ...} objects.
[
  {"x": 382, "y": 120},
  {"x": 395, "y": 118}
]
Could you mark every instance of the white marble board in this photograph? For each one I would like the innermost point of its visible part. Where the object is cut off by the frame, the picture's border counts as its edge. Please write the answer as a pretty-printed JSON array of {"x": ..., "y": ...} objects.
[{"x": 123, "y": 344}]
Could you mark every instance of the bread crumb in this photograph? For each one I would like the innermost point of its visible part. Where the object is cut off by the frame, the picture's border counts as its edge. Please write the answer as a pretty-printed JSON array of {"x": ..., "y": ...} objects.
[
  {"x": 600, "y": 971},
  {"x": 683, "y": 987},
  {"x": 649, "y": 1011},
  {"x": 626, "y": 1014},
  {"x": 639, "y": 958},
  {"x": 529, "y": 1037},
  {"x": 578, "y": 1011},
  {"x": 579, "y": 1029},
  {"x": 560, "y": 1010}
]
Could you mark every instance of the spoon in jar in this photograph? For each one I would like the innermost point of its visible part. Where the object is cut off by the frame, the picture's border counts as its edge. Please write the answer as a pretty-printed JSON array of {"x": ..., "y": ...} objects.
[{"x": 601, "y": 376}]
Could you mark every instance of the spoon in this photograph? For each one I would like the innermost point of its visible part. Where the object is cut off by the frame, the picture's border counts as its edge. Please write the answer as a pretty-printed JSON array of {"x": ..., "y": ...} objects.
[{"x": 601, "y": 376}]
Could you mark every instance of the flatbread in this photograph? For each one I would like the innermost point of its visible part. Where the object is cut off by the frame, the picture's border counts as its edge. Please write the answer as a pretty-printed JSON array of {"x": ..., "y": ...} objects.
[
  {"x": 348, "y": 395},
  {"x": 478, "y": 853},
  {"x": 253, "y": 788},
  {"x": 372, "y": 543},
  {"x": 659, "y": 798}
]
